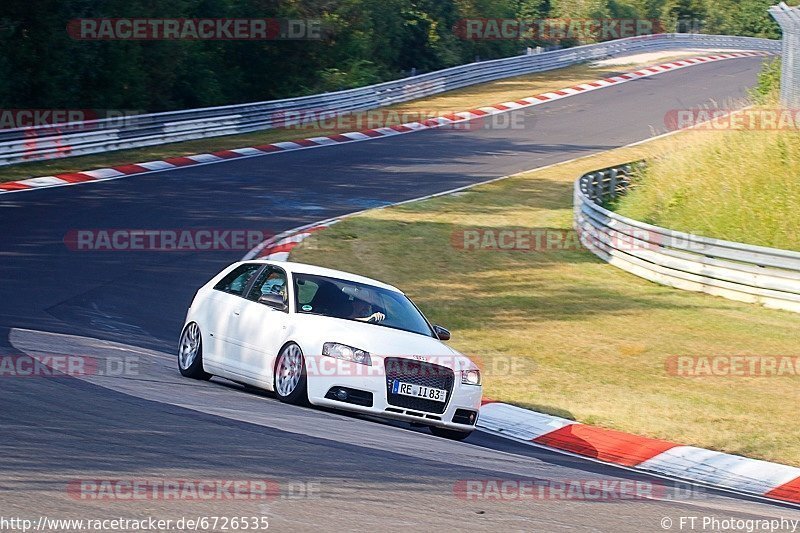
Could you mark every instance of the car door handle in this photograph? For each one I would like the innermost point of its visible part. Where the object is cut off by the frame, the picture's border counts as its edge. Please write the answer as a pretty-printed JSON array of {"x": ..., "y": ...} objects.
[{"x": 236, "y": 312}]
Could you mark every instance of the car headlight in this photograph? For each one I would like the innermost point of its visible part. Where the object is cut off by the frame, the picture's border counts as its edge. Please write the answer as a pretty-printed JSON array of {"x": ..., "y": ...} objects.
[
  {"x": 347, "y": 353},
  {"x": 471, "y": 377}
]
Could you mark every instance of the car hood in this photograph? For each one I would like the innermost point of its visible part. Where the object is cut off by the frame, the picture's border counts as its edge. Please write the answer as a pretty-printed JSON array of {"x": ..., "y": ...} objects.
[{"x": 377, "y": 340}]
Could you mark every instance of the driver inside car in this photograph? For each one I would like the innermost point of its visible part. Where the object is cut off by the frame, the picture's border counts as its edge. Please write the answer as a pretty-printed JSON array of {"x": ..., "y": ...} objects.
[
  {"x": 363, "y": 312},
  {"x": 275, "y": 284}
]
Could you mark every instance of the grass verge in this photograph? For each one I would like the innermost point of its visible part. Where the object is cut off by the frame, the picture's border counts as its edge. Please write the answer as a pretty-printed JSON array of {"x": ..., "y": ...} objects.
[
  {"x": 452, "y": 101},
  {"x": 590, "y": 340},
  {"x": 750, "y": 177}
]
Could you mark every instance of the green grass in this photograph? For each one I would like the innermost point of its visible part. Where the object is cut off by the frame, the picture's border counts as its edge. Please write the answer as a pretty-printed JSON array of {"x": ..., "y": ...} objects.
[
  {"x": 590, "y": 342},
  {"x": 741, "y": 186}
]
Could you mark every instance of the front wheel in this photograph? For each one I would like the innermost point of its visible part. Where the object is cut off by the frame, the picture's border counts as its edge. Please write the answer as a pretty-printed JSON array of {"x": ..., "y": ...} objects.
[
  {"x": 452, "y": 434},
  {"x": 190, "y": 353},
  {"x": 290, "y": 376}
]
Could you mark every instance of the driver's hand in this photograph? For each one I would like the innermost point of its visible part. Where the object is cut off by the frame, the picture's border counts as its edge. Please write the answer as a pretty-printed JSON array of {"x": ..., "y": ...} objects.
[{"x": 376, "y": 317}]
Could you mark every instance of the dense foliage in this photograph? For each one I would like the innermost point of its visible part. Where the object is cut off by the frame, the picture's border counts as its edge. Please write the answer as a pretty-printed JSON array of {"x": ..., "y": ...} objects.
[{"x": 366, "y": 41}]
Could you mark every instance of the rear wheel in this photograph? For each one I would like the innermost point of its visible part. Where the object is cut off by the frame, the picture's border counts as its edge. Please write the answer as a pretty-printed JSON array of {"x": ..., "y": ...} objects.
[
  {"x": 453, "y": 434},
  {"x": 190, "y": 353},
  {"x": 290, "y": 376}
]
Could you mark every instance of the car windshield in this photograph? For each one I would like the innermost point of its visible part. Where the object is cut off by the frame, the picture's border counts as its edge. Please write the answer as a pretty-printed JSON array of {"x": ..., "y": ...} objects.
[{"x": 349, "y": 300}]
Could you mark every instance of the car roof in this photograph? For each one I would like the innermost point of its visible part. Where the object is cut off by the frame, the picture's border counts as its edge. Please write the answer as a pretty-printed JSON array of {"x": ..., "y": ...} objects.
[{"x": 314, "y": 270}]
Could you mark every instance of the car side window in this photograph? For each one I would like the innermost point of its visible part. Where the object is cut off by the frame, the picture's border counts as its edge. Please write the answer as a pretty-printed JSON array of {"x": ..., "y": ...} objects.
[
  {"x": 271, "y": 281},
  {"x": 236, "y": 280},
  {"x": 305, "y": 294}
]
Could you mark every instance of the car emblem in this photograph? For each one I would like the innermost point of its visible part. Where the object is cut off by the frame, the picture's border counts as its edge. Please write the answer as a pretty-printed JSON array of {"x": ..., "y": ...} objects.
[{"x": 420, "y": 357}]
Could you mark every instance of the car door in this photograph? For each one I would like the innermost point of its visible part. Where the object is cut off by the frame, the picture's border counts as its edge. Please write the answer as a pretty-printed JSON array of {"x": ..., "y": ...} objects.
[
  {"x": 224, "y": 305},
  {"x": 260, "y": 328}
]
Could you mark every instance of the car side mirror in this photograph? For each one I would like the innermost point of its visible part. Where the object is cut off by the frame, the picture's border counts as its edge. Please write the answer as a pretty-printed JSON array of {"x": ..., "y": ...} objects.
[
  {"x": 441, "y": 333},
  {"x": 274, "y": 301}
]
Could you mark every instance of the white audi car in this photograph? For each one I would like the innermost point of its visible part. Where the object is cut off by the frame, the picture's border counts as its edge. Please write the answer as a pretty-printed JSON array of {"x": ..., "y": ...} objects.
[{"x": 330, "y": 338}]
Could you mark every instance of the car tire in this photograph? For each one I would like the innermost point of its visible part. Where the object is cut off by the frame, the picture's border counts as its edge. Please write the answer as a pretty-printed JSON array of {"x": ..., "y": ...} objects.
[
  {"x": 190, "y": 353},
  {"x": 290, "y": 381},
  {"x": 452, "y": 434}
]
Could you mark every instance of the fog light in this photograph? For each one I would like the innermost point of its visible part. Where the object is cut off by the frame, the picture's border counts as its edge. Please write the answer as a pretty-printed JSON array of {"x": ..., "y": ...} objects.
[
  {"x": 341, "y": 394},
  {"x": 465, "y": 416}
]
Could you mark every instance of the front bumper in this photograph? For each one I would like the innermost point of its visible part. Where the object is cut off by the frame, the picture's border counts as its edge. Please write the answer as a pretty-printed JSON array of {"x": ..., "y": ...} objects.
[{"x": 373, "y": 380}]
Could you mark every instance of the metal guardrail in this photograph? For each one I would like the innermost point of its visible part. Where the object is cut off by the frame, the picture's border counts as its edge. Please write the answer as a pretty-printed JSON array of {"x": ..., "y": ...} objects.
[
  {"x": 80, "y": 138},
  {"x": 742, "y": 272}
]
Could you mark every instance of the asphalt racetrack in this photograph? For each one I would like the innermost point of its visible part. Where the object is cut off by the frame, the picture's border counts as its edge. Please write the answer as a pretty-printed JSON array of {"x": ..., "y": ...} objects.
[{"x": 334, "y": 471}]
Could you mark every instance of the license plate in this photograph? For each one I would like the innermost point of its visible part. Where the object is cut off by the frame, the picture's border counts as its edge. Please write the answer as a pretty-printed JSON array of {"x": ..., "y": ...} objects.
[{"x": 419, "y": 391}]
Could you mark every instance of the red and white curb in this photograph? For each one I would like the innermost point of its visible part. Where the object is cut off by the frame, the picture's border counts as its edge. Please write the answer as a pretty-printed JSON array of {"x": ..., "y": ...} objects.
[
  {"x": 278, "y": 247},
  {"x": 122, "y": 171},
  {"x": 653, "y": 456},
  {"x": 661, "y": 457}
]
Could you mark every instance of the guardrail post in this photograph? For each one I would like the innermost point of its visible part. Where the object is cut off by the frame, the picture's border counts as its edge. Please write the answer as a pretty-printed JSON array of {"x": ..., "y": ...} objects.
[
  {"x": 789, "y": 20},
  {"x": 612, "y": 184},
  {"x": 592, "y": 182}
]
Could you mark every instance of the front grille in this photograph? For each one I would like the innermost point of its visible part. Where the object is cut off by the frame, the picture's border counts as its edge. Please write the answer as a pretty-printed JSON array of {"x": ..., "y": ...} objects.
[{"x": 418, "y": 373}]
